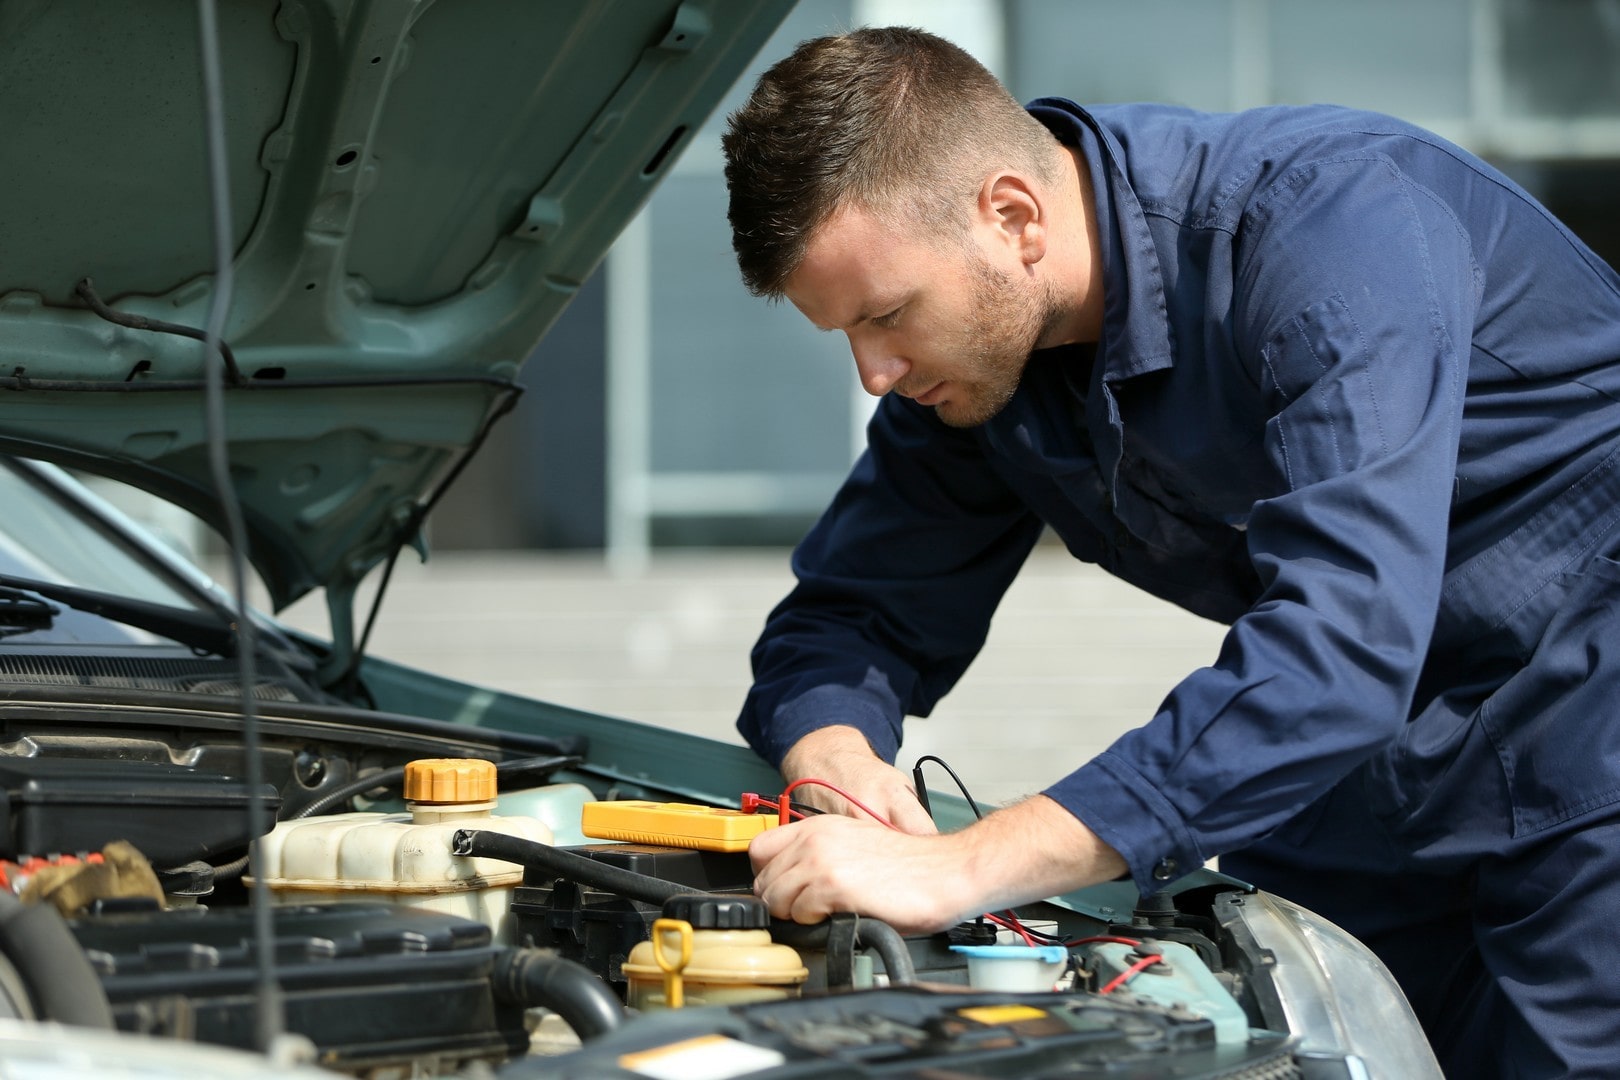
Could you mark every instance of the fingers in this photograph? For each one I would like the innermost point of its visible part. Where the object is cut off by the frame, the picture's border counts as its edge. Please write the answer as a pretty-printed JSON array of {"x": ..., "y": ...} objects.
[
  {"x": 797, "y": 896},
  {"x": 907, "y": 815},
  {"x": 888, "y": 793},
  {"x": 792, "y": 873},
  {"x": 810, "y": 869},
  {"x": 842, "y": 758},
  {"x": 764, "y": 847}
]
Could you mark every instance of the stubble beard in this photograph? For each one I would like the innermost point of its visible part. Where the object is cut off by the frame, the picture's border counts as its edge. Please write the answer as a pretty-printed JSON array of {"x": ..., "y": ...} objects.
[{"x": 1008, "y": 322}]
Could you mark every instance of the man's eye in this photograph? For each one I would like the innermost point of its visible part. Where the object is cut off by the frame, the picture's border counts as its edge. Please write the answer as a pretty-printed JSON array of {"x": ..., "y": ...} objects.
[{"x": 888, "y": 320}]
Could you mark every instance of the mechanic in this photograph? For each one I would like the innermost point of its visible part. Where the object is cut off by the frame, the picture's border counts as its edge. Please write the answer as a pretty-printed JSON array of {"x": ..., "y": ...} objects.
[{"x": 1312, "y": 372}]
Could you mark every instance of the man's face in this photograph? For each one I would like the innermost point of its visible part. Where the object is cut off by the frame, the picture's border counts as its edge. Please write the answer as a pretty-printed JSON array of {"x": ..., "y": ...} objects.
[{"x": 929, "y": 318}]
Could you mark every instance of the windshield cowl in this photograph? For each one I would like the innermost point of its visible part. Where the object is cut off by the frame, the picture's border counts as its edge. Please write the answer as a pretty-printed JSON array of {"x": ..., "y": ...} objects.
[{"x": 202, "y": 631}]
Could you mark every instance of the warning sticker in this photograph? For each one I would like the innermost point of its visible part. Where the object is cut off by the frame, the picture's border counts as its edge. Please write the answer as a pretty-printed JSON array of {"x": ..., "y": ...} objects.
[
  {"x": 710, "y": 1057},
  {"x": 1002, "y": 1014}
]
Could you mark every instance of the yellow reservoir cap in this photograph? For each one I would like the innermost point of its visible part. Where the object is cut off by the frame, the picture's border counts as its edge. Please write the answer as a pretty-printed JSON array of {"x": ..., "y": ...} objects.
[
  {"x": 706, "y": 828},
  {"x": 449, "y": 780}
]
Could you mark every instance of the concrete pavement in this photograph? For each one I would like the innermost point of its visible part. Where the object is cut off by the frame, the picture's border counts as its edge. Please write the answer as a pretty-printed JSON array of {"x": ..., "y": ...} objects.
[{"x": 1074, "y": 657}]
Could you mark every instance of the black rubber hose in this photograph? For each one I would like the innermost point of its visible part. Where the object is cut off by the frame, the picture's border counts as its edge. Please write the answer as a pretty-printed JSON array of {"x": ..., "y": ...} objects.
[
  {"x": 62, "y": 986},
  {"x": 388, "y": 778},
  {"x": 565, "y": 864},
  {"x": 873, "y": 934},
  {"x": 531, "y": 977},
  {"x": 886, "y": 941}
]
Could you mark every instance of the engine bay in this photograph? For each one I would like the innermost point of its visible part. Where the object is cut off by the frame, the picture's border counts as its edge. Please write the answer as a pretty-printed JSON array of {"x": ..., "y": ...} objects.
[{"x": 394, "y": 978}]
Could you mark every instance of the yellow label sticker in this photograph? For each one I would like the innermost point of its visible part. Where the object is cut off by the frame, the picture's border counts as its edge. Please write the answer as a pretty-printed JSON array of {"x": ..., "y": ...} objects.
[{"x": 1002, "y": 1014}]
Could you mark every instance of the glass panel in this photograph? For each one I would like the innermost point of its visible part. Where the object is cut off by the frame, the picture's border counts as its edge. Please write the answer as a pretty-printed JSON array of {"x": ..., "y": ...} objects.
[
  {"x": 1394, "y": 56},
  {"x": 45, "y": 539},
  {"x": 1560, "y": 59},
  {"x": 810, "y": 18},
  {"x": 738, "y": 384},
  {"x": 1175, "y": 51}
]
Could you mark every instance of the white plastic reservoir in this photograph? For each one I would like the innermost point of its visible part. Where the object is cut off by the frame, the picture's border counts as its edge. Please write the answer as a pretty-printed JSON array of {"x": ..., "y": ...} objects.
[{"x": 405, "y": 858}]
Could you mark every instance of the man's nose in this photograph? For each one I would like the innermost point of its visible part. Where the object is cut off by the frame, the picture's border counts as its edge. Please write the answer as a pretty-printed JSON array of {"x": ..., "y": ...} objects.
[{"x": 879, "y": 367}]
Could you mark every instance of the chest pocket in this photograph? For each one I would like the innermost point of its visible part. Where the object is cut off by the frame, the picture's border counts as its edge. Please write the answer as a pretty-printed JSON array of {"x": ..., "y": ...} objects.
[{"x": 1164, "y": 516}]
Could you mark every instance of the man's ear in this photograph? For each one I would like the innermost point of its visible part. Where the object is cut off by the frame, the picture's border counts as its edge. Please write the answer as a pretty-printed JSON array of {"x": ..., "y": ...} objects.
[{"x": 1013, "y": 214}]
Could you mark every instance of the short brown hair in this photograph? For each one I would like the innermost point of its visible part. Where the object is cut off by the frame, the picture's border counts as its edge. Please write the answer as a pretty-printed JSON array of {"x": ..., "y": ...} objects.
[{"x": 893, "y": 120}]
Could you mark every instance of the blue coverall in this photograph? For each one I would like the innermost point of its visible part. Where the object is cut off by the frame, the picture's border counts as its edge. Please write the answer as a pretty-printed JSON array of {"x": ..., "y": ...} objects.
[{"x": 1358, "y": 396}]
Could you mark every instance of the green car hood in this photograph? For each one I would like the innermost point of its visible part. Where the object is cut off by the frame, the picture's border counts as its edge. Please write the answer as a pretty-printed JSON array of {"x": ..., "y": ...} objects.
[{"x": 417, "y": 188}]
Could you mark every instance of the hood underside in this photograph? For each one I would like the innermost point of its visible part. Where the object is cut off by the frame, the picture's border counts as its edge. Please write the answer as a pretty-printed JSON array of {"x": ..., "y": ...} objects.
[{"x": 416, "y": 190}]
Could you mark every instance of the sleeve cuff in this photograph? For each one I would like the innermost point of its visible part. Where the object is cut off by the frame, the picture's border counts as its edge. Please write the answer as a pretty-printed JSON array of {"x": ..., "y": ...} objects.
[
  {"x": 1128, "y": 814},
  {"x": 826, "y": 706}
]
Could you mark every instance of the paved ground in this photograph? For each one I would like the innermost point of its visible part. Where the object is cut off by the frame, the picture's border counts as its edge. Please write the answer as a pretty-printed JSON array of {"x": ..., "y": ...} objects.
[{"x": 1074, "y": 657}]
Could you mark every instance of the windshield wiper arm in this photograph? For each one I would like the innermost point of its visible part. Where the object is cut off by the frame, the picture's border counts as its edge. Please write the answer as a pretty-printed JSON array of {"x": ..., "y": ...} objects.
[
  {"x": 21, "y": 613},
  {"x": 208, "y": 632}
]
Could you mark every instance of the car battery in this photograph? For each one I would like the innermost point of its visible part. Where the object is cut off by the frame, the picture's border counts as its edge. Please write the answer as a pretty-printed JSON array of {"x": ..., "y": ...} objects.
[
  {"x": 373, "y": 985},
  {"x": 171, "y": 813}
]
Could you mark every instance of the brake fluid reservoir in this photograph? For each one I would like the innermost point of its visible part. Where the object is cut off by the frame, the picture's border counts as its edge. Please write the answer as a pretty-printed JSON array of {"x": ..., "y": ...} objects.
[
  {"x": 405, "y": 858},
  {"x": 711, "y": 950}
]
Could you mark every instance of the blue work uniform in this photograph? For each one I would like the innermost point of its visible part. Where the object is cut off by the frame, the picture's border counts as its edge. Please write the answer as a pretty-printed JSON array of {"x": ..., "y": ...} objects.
[{"x": 1358, "y": 396}]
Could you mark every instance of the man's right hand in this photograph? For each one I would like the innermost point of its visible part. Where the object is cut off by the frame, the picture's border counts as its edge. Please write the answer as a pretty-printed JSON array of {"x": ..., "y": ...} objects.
[{"x": 841, "y": 755}]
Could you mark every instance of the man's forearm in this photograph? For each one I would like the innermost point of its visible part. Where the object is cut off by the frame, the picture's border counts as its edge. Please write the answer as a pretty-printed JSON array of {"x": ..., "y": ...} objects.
[
  {"x": 1034, "y": 849},
  {"x": 919, "y": 883}
]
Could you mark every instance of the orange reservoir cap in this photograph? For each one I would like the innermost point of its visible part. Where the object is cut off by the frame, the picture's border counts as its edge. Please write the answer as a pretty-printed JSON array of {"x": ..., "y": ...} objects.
[
  {"x": 449, "y": 780},
  {"x": 686, "y": 825}
]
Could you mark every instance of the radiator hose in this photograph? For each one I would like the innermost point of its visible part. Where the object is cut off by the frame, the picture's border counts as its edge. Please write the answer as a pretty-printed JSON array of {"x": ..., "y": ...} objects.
[
  {"x": 61, "y": 984},
  {"x": 531, "y": 977},
  {"x": 873, "y": 934}
]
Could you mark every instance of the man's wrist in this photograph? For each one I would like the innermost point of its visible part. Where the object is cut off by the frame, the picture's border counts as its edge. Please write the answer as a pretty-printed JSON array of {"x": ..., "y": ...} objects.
[
  {"x": 1032, "y": 850},
  {"x": 810, "y": 754}
]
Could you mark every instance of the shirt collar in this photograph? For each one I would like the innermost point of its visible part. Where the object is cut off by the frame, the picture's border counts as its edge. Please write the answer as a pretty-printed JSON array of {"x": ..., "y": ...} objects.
[{"x": 1136, "y": 322}]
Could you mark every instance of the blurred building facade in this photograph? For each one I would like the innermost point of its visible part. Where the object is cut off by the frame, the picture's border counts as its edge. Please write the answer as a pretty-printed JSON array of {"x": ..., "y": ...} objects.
[{"x": 669, "y": 407}]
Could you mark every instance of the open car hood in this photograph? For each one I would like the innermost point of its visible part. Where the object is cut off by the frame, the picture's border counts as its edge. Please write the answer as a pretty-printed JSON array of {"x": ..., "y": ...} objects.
[{"x": 416, "y": 190}]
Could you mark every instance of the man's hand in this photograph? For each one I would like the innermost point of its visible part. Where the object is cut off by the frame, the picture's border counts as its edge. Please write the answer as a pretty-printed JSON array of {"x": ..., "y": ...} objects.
[
  {"x": 808, "y": 870},
  {"x": 841, "y": 755}
]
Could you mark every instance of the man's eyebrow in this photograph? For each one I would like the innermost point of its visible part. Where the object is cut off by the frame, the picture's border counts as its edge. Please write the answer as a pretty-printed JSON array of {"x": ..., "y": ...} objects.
[
  {"x": 863, "y": 317},
  {"x": 867, "y": 315}
]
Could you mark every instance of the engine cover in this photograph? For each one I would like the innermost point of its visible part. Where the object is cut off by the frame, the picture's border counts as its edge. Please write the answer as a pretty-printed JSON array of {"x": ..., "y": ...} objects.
[{"x": 370, "y": 984}]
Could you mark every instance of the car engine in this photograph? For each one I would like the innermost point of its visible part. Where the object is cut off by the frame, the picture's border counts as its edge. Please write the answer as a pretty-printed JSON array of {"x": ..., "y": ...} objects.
[{"x": 383, "y": 981}]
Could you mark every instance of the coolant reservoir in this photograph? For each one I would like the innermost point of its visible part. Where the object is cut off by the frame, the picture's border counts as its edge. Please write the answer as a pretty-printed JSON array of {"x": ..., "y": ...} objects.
[
  {"x": 405, "y": 858},
  {"x": 716, "y": 950}
]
